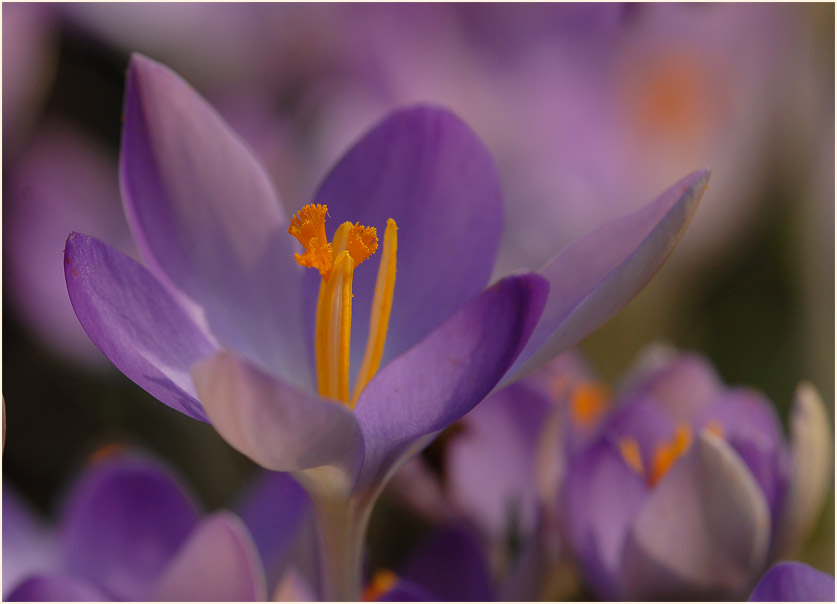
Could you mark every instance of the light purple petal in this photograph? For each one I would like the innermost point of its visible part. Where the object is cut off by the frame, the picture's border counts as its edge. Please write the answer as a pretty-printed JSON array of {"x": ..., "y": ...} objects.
[
  {"x": 271, "y": 422},
  {"x": 601, "y": 495},
  {"x": 273, "y": 510},
  {"x": 752, "y": 428},
  {"x": 28, "y": 547},
  {"x": 685, "y": 384},
  {"x": 452, "y": 566},
  {"x": 794, "y": 582},
  {"x": 426, "y": 169},
  {"x": 446, "y": 374},
  {"x": 206, "y": 217},
  {"x": 597, "y": 275},
  {"x": 218, "y": 563},
  {"x": 56, "y": 588},
  {"x": 491, "y": 465},
  {"x": 122, "y": 524},
  {"x": 135, "y": 322},
  {"x": 811, "y": 472},
  {"x": 703, "y": 532}
]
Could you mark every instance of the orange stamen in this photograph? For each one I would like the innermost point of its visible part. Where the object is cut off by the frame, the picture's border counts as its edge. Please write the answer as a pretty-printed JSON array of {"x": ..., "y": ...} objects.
[
  {"x": 667, "y": 453},
  {"x": 589, "y": 401},
  {"x": 631, "y": 454}
]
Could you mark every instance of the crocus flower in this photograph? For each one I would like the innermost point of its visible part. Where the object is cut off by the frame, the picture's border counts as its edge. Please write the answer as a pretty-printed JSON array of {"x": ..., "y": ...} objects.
[
  {"x": 128, "y": 531},
  {"x": 224, "y": 324},
  {"x": 690, "y": 489},
  {"x": 794, "y": 582}
]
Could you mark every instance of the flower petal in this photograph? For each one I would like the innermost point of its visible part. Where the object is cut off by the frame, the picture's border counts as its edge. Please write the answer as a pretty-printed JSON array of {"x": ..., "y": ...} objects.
[
  {"x": 273, "y": 510},
  {"x": 218, "y": 563},
  {"x": 600, "y": 497},
  {"x": 135, "y": 322},
  {"x": 271, "y": 422},
  {"x": 55, "y": 588},
  {"x": 426, "y": 169},
  {"x": 124, "y": 521},
  {"x": 440, "y": 379},
  {"x": 490, "y": 471},
  {"x": 703, "y": 532},
  {"x": 28, "y": 547},
  {"x": 207, "y": 220},
  {"x": 794, "y": 582},
  {"x": 598, "y": 274},
  {"x": 810, "y": 476}
]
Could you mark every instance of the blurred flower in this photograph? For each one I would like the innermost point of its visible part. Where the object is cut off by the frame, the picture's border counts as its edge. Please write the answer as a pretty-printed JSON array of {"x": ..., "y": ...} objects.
[
  {"x": 224, "y": 313},
  {"x": 794, "y": 582},
  {"x": 127, "y": 531},
  {"x": 689, "y": 489},
  {"x": 61, "y": 181},
  {"x": 29, "y": 55}
]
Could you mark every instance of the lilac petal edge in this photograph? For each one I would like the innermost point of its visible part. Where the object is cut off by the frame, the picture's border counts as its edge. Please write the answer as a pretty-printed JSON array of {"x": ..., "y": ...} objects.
[
  {"x": 135, "y": 322},
  {"x": 599, "y": 273}
]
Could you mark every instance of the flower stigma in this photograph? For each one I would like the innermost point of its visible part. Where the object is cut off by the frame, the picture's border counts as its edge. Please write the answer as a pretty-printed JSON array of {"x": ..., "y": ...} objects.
[{"x": 336, "y": 261}]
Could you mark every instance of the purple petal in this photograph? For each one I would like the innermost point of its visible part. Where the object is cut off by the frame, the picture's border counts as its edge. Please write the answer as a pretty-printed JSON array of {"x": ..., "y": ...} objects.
[
  {"x": 598, "y": 274},
  {"x": 218, "y": 563},
  {"x": 794, "y": 582},
  {"x": 811, "y": 472},
  {"x": 452, "y": 566},
  {"x": 271, "y": 422},
  {"x": 28, "y": 547},
  {"x": 123, "y": 522},
  {"x": 752, "y": 428},
  {"x": 685, "y": 384},
  {"x": 426, "y": 169},
  {"x": 135, "y": 322},
  {"x": 703, "y": 532},
  {"x": 445, "y": 375},
  {"x": 206, "y": 217},
  {"x": 601, "y": 495},
  {"x": 408, "y": 591},
  {"x": 491, "y": 465},
  {"x": 55, "y": 588},
  {"x": 273, "y": 510}
]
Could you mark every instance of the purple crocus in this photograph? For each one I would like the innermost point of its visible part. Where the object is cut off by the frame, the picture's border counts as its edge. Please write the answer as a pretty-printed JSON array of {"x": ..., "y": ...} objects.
[
  {"x": 224, "y": 325},
  {"x": 689, "y": 490},
  {"x": 794, "y": 582},
  {"x": 127, "y": 531}
]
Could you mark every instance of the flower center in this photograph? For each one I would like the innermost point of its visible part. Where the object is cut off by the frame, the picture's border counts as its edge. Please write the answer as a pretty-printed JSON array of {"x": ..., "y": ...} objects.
[
  {"x": 665, "y": 453},
  {"x": 336, "y": 262}
]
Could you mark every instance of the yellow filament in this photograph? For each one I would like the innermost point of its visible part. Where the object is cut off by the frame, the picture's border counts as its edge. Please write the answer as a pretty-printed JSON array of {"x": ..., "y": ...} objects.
[
  {"x": 382, "y": 582},
  {"x": 351, "y": 245},
  {"x": 381, "y": 309}
]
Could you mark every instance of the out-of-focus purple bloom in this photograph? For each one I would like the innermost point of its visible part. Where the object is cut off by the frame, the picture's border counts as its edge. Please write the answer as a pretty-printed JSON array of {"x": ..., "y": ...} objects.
[
  {"x": 689, "y": 489},
  {"x": 127, "y": 531},
  {"x": 28, "y": 63},
  {"x": 794, "y": 582},
  {"x": 61, "y": 181},
  {"x": 223, "y": 312}
]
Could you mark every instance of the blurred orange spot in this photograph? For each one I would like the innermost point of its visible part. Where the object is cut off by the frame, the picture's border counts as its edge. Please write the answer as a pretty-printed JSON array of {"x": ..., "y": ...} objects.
[
  {"x": 589, "y": 402},
  {"x": 382, "y": 581},
  {"x": 631, "y": 454},
  {"x": 106, "y": 452}
]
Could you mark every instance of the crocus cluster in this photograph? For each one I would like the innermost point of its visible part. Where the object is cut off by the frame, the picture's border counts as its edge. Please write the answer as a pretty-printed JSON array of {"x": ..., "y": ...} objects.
[{"x": 689, "y": 489}]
